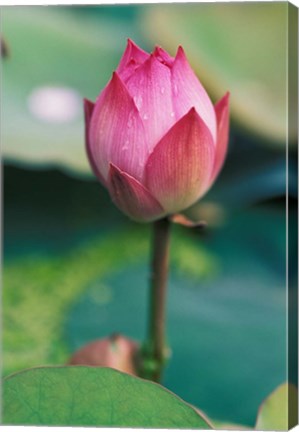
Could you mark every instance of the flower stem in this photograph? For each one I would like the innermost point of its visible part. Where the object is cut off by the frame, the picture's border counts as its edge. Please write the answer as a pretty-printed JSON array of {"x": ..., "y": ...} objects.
[{"x": 154, "y": 351}]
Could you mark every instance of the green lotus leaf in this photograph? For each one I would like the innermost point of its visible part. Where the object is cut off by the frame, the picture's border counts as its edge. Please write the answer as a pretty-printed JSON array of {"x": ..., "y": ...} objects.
[
  {"x": 89, "y": 396},
  {"x": 280, "y": 410}
]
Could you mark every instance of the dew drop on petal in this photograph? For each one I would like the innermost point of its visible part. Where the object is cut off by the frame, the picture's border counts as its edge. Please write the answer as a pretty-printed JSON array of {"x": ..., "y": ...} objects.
[
  {"x": 125, "y": 146},
  {"x": 130, "y": 122},
  {"x": 138, "y": 101},
  {"x": 172, "y": 114},
  {"x": 145, "y": 116},
  {"x": 54, "y": 104},
  {"x": 162, "y": 90}
]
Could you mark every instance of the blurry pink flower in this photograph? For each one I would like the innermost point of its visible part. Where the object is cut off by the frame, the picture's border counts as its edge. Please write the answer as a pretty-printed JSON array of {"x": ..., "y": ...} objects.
[{"x": 153, "y": 137}]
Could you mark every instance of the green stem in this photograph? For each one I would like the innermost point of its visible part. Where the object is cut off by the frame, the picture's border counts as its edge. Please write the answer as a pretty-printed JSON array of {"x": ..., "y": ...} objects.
[{"x": 154, "y": 353}]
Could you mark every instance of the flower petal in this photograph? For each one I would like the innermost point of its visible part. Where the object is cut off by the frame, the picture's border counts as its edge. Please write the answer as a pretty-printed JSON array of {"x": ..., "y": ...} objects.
[
  {"x": 132, "y": 197},
  {"x": 163, "y": 56},
  {"x": 131, "y": 59},
  {"x": 150, "y": 86},
  {"x": 88, "y": 110},
  {"x": 179, "y": 169},
  {"x": 222, "y": 115},
  {"x": 116, "y": 131},
  {"x": 183, "y": 220},
  {"x": 188, "y": 92}
]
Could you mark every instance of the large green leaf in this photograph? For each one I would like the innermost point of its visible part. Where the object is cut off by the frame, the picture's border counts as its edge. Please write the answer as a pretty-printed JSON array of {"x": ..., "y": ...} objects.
[
  {"x": 280, "y": 410},
  {"x": 237, "y": 47},
  {"x": 87, "y": 396}
]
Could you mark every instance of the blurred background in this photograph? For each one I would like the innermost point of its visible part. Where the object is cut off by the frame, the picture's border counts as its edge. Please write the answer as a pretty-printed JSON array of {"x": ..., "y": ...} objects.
[{"x": 76, "y": 269}]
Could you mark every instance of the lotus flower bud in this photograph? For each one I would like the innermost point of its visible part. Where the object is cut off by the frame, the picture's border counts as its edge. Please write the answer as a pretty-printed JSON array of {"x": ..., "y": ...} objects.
[
  {"x": 117, "y": 352},
  {"x": 153, "y": 137}
]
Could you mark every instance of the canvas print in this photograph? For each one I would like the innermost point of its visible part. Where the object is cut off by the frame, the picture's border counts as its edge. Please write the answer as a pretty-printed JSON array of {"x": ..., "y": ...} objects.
[{"x": 150, "y": 257}]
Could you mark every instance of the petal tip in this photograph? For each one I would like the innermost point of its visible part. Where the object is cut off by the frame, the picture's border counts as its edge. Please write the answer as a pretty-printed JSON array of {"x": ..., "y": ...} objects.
[
  {"x": 114, "y": 170},
  {"x": 180, "y": 53},
  {"x": 192, "y": 111},
  {"x": 132, "y": 197},
  {"x": 116, "y": 80},
  {"x": 133, "y": 50},
  {"x": 222, "y": 115},
  {"x": 150, "y": 62},
  {"x": 222, "y": 106},
  {"x": 226, "y": 98},
  {"x": 163, "y": 56},
  {"x": 115, "y": 76},
  {"x": 88, "y": 106},
  {"x": 156, "y": 51},
  {"x": 193, "y": 115},
  {"x": 132, "y": 44}
]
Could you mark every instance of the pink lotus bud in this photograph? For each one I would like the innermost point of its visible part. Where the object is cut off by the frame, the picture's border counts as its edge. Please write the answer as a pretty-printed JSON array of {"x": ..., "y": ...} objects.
[
  {"x": 117, "y": 352},
  {"x": 153, "y": 137}
]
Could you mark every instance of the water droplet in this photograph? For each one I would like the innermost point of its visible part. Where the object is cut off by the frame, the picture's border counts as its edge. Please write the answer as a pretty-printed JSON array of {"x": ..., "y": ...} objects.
[
  {"x": 162, "y": 90},
  {"x": 172, "y": 114},
  {"x": 138, "y": 101},
  {"x": 145, "y": 116},
  {"x": 130, "y": 120},
  {"x": 126, "y": 145}
]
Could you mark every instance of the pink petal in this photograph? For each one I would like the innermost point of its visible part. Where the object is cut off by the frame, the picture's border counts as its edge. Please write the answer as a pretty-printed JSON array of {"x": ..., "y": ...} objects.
[
  {"x": 178, "y": 171},
  {"x": 132, "y": 197},
  {"x": 128, "y": 70},
  {"x": 188, "y": 92},
  {"x": 131, "y": 59},
  {"x": 163, "y": 56},
  {"x": 222, "y": 115},
  {"x": 88, "y": 110},
  {"x": 116, "y": 132},
  {"x": 183, "y": 220},
  {"x": 150, "y": 87}
]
